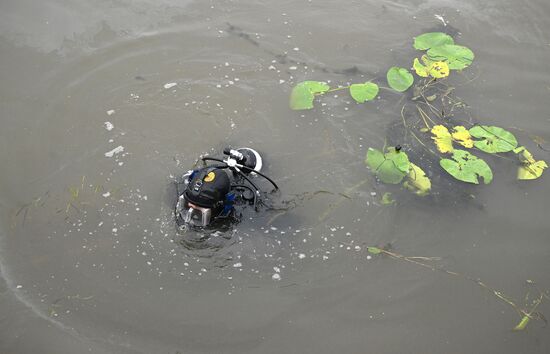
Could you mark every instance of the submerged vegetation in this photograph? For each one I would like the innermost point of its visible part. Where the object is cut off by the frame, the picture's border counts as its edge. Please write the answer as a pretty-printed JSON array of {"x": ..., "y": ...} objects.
[
  {"x": 527, "y": 312},
  {"x": 391, "y": 164}
]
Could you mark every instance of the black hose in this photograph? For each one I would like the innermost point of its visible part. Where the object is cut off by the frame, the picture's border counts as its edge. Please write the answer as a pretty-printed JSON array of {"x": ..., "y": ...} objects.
[
  {"x": 247, "y": 187},
  {"x": 253, "y": 185},
  {"x": 261, "y": 174},
  {"x": 207, "y": 158},
  {"x": 212, "y": 159}
]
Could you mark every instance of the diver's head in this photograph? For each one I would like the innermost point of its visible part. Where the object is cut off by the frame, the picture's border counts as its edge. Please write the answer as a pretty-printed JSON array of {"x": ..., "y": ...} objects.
[{"x": 205, "y": 197}]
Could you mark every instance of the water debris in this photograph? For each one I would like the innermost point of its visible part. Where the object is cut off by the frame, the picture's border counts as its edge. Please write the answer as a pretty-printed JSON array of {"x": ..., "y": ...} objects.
[
  {"x": 170, "y": 85},
  {"x": 527, "y": 315},
  {"x": 115, "y": 151},
  {"x": 110, "y": 112},
  {"x": 108, "y": 125},
  {"x": 440, "y": 18}
]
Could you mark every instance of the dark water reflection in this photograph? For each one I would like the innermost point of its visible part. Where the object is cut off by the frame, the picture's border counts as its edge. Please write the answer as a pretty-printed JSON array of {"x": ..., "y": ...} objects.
[{"x": 90, "y": 257}]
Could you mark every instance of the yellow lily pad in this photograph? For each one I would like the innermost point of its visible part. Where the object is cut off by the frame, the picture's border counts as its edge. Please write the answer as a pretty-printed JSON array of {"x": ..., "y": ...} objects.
[
  {"x": 420, "y": 69},
  {"x": 439, "y": 69},
  {"x": 462, "y": 136},
  {"x": 530, "y": 168},
  {"x": 435, "y": 69},
  {"x": 417, "y": 181},
  {"x": 443, "y": 139}
]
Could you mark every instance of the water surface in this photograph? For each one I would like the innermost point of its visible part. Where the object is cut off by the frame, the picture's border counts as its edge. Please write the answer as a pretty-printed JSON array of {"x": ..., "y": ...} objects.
[{"x": 89, "y": 254}]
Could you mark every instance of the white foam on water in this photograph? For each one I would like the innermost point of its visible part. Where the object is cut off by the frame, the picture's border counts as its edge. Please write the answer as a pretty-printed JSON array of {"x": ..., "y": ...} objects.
[
  {"x": 108, "y": 125},
  {"x": 170, "y": 85},
  {"x": 115, "y": 151}
]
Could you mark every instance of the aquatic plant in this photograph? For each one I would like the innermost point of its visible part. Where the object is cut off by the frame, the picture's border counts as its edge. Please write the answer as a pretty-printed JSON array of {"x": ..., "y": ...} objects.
[{"x": 391, "y": 165}]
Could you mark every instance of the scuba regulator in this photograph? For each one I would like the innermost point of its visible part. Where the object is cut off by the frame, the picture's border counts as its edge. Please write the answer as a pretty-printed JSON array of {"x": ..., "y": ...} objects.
[{"x": 212, "y": 192}]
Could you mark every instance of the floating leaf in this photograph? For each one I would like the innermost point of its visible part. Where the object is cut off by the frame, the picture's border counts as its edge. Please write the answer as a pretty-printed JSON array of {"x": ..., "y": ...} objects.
[
  {"x": 420, "y": 69},
  {"x": 390, "y": 167},
  {"x": 432, "y": 39},
  {"x": 530, "y": 168},
  {"x": 304, "y": 92},
  {"x": 443, "y": 139},
  {"x": 457, "y": 57},
  {"x": 495, "y": 139},
  {"x": 467, "y": 167},
  {"x": 399, "y": 79},
  {"x": 439, "y": 69},
  {"x": 436, "y": 69},
  {"x": 374, "y": 250},
  {"x": 387, "y": 199},
  {"x": 522, "y": 324},
  {"x": 417, "y": 181},
  {"x": 363, "y": 92},
  {"x": 462, "y": 136}
]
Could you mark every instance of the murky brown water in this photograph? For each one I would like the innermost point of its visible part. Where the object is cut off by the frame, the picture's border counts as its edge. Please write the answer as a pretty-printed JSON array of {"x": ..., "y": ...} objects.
[{"x": 89, "y": 255}]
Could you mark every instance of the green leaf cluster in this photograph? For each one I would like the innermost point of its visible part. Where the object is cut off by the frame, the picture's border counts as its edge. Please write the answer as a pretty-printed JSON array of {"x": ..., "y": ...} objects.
[
  {"x": 390, "y": 167},
  {"x": 442, "y": 48},
  {"x": 490, "y": 139},
  {"x": 394, "y": 167},
  {"x": 441, "y": 55},
  {"x": 304, "y": 93}
]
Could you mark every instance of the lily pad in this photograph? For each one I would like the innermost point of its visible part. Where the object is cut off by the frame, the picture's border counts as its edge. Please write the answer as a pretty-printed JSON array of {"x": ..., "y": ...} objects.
[
  {"x": 363, "y": 92},
  {"x": 457, "y": 57},
  {"x": 420, "y": 69},
  {"x": 442, "y": 138},
  {"x": 466, "y": 167},
  {"x": 432, "y": 39},
  {"x": 462, "y": 136},
  {"x": 435, "y": 69},
  {"x": 417, "y": 181},
  {"x": 303, "y": 94},
  {"x": 390, "y": 167},
  {"x": 439, "y": 69},
  {"x": 399, "y": 79},
  {"x": 530, "y": 168},
  {"x": 495, "y": 139}
]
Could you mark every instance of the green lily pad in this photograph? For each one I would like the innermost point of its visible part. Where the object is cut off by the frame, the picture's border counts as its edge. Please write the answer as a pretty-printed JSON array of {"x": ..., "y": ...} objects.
[
  {"x": 466, "y": 167},
  {"x": 363, "y": 92},
  {"x": 457, "y": 57},
  {"x": 390, "y": 167},
  {"x": 303, "y": 94},
  {"x": 399, "y": 79},
  {"x": 432, "y": 39},
  {"x": 417, "y": 181},
  {"x": 495, "y": 139}
]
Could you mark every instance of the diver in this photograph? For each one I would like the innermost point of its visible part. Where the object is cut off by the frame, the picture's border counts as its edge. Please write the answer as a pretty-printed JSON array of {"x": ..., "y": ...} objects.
[{"x": 212, "y": 192}]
